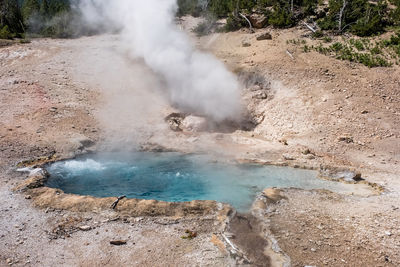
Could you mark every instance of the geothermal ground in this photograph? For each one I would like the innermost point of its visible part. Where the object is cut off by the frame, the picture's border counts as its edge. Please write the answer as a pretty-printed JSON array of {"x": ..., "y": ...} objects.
[{"x": 59, "y": 96}]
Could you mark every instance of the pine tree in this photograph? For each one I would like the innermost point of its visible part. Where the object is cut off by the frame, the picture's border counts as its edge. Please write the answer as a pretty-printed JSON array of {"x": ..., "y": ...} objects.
[
  {"x": 58, "y": 6},
  {"x": 44, "y": 9},
  {"x": 10, "y": 16},
  {"x": 30, "y": 8}
]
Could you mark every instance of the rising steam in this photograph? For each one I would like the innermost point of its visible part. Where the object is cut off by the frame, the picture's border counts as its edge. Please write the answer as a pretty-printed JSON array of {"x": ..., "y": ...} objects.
[{"x": 196, "y": 82}]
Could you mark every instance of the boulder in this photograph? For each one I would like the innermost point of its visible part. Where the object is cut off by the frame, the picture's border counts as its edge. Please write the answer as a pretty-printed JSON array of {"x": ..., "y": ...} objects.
[
  {"x": 258, "y": 20},
  {"x": 174, "y": 121},
  {"x": 272, "y": 194},
  {"x": 194, "y": 124}
]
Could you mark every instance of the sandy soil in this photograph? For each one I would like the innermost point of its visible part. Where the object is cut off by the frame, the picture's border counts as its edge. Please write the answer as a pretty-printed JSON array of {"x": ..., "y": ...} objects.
[{"x": 53, "y": 96}]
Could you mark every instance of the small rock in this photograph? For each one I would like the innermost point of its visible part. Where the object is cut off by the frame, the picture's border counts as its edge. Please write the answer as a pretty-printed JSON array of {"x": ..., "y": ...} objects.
[
  {"x": 283, "y": 141},
  {"x": 118, "y": 242},
  {"x": 8, "y": 260},
  {"x": 261, "y": 96},
  {"x": 364, "y": 112},
  {"x": 388, "y": 233},
  {"x": 264, "y": 36},
  {"x": 310, "y": 156},
  {"x": 28, "y": 197},
  {"x": 287, "y": 157},
  {"x": 85, "y": 228},
  {"x": 256, "y": 87},
  {"x": 347, "y": 139},
  {"x": 138, "y": 219},
  {"x": 313, "y": 249},
  {"x": 246, "y": 44}
]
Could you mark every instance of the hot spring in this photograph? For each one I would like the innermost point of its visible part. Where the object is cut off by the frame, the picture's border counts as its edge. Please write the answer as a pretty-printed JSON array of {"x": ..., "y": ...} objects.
[{"x": 176, "y": 177}]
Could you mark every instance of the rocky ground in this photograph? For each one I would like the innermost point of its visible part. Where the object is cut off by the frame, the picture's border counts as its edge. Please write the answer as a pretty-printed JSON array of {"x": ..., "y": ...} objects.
[
  {"x": 346, "y": 114},
  {"x": 311, "y": 110}
]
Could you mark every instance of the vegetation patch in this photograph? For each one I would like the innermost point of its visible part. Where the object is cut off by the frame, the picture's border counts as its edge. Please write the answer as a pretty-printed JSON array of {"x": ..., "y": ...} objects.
[
  {"x": 370, "y": 52},
  {"x": 359, "y": 17}
]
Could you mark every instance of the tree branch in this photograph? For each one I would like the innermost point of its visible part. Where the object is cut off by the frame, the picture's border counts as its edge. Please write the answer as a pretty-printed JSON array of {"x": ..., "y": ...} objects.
[
  {"x": 115, "y": 203},
  {"x": 310, "y": 28},
  {"x": 248, "y": 21}
]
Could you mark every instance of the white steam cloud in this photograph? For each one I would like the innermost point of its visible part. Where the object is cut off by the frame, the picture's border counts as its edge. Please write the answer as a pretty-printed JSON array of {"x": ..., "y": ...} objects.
[{"x": 196, "y": 81}]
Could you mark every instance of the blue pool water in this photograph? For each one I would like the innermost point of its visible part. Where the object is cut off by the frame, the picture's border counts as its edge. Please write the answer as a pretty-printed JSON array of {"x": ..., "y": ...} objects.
[{"x": 176, "y": 177}]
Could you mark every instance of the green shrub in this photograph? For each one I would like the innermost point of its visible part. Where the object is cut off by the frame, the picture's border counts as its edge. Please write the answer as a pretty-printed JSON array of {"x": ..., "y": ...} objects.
[
  {"x": 393, "y": 43},
  {"x": 357, "y": 44},
  {"x": 317, "y": 34},
  {"x": 368, "y": 26},
  {"x": 359, "y": 16},
  {"x": 345, "y": 51},
  {"x": 306, "y": 49},
  {"x": 233, "y": 23},
  {"x": 371, "y": 61},
  {"x": 327, "y": 39},
  {"x": 5, "y": 33},
  {"x": 189, "y": 7},
  {"x": 24, "y": 41},
  {"x": 204, "y": 28},
  {"x": 376, "y": 50},
  {"x": 336, "y": 46},
  {"x": 281, "y": 17},
  {"x": 220, "y": 8},
  {"x": 327, "y": 23}
]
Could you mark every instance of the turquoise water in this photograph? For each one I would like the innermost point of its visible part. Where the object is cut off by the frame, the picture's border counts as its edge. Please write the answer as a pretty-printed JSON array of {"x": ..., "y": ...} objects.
[{"x": 176, "y": 177}]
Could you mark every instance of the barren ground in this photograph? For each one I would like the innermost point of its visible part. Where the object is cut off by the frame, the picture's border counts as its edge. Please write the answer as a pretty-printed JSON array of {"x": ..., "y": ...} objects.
[{"x": 52, "y": 95}]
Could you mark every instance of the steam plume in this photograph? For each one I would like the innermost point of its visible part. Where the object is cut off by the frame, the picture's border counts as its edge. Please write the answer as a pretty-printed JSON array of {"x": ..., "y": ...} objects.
[{"x": 197, "y": 82}]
